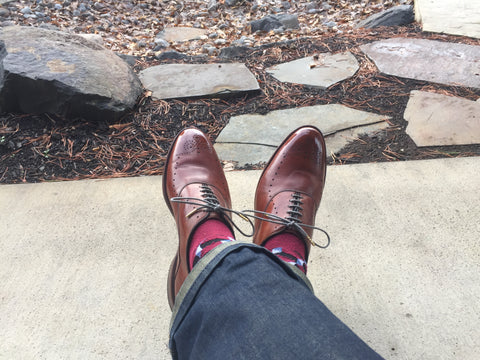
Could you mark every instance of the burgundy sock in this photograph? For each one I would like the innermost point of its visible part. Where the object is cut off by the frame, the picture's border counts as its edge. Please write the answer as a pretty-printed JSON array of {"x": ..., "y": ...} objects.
[
  {"x": 289, "y": 248},
  {"x": 207, "y": 236}
]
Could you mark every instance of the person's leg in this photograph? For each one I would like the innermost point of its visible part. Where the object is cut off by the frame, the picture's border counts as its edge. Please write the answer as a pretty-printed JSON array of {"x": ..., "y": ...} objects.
[
  {"x": 242, "y": 301},
  {"x": 197, "y": 194},
  {"x": 254, "y": 306}
]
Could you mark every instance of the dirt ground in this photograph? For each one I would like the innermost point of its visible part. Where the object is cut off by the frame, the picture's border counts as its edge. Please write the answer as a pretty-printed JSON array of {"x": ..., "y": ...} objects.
[{"x": 46, "y": 147}]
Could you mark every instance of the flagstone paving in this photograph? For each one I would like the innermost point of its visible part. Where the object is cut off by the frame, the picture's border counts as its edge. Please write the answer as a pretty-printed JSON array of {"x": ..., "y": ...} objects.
[
  {"x": 429, "y": 60},
  {"x": 321, "y": 70},
  {"x": 450, "y": 17},
  {"x": 242, "y": 154},
  {"x": 436, "y": 119},
  {"x": 252, "y": 139},
  {"x": 188, "y": 80}
]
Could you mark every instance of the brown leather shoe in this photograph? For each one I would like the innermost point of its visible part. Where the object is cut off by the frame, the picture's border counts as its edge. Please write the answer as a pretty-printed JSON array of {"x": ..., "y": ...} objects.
[
  {"x": 195, "y": 189},
  {"x": 291, "y": 186}
]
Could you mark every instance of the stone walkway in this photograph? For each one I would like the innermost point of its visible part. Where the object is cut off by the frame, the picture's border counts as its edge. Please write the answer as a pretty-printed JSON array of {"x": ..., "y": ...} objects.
[
  {"x": 252, "y": 139},
  {"x": 434, "y": 119},
  {"x": 249, "y": 139}
]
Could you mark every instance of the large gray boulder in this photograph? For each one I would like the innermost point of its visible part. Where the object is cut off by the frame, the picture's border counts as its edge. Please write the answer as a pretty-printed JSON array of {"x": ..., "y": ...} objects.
[
  {"x": 396, "y": 16},
  {"x": 267, "y": 23},
  {"x": 272, "y": 22},
  {"x": 55, "y": 72}
]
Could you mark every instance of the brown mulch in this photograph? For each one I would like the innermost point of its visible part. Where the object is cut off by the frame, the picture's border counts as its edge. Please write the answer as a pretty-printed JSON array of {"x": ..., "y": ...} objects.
[{"x": 47, "y": 147}]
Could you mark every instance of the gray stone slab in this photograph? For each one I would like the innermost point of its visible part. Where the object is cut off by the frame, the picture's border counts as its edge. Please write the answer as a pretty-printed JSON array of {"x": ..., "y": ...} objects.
[
  {"x": 436, "y": 119},
  {"x": 461, "y": 17},
  {"x": 336, "y": 141},
  {"x": 188, "y": 80},
  {"x": 273, "y": 127},
  {"x": 429, "y": 60},
  {"x": 244, "y": 153},
  {"x": 322, "y": 70},
  {"x": 251, "y": 139},
  {"x": 180, "y": 34}
]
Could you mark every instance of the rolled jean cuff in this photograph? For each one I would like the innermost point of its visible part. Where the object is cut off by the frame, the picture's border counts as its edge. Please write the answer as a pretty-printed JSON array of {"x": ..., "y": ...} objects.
[{"x": 205, "y": 267}]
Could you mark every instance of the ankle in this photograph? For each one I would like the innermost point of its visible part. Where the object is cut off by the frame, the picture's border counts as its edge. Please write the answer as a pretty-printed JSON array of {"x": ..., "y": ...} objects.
[
  {"x": 206, "y": 237},
  {"x": 289, "y": 248}
]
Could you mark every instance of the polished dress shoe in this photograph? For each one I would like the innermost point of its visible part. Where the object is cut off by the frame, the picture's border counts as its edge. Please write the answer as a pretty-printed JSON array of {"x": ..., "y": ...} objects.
[
  {"x": 290, "y": 188},
  {"x": 195, "y": 190}
]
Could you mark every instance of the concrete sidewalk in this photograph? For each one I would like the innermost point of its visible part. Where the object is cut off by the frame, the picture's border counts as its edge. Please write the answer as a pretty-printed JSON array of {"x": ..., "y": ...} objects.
[{"x": 83, "y": 264}]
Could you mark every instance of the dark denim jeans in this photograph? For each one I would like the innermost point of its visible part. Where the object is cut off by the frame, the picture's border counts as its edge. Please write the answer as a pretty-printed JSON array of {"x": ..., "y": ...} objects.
[{"x": 242, "y": 302}]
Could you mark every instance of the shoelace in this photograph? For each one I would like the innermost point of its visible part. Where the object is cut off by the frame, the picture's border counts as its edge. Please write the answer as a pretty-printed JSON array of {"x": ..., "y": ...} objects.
[
  {"x": 210, "y": 203},
  {"x": 291, "y": 222}
]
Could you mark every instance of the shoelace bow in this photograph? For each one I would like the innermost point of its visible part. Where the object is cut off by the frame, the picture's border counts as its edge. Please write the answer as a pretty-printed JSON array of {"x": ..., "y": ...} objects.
[
  {"x": 291, "y": 222},
  {"x": 210, "y": 203}
]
